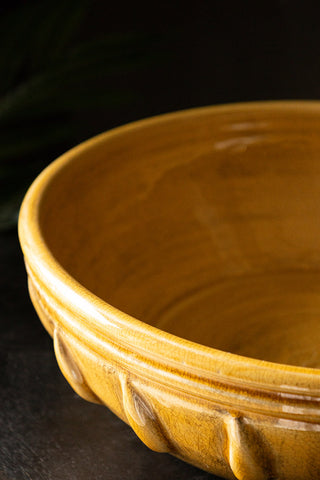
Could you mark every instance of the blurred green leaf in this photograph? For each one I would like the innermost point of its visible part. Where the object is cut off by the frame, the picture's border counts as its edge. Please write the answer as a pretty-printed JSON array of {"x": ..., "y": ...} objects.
[
  {"x": 48, "y": 75},
  {"x": 57, "y": 26},
  {"x": 57, "y": 91},
  {"x": 34, "y": 34},
  {"x": 9, "y": 210},
  {"x": 73, "y": 83},
  {"x": 22, "y": 141}
]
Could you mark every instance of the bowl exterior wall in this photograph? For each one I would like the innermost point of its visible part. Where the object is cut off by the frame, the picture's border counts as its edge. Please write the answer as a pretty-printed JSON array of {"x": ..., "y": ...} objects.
[{"x": 229, "y": 442}]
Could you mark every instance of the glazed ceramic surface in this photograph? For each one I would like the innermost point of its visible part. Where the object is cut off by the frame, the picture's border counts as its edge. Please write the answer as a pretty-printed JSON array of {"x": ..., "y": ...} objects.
[{"x": 176, "y": 263}]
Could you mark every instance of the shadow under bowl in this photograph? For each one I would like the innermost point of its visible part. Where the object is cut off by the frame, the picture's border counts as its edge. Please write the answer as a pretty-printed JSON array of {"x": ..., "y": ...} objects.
[{"x": 176, "y": 263}]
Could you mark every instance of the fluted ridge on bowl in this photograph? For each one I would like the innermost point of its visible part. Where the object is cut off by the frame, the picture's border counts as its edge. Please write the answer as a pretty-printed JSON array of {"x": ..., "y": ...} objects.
[
  {"x": 247, "y": 454},
  {"x": 293, "y": 405}
]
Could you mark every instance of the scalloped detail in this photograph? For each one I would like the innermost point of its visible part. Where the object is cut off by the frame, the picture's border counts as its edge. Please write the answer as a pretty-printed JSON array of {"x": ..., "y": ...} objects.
[
  {"x": 142, "y": 418},
  {"x": 40, "y": 307},
  {"x": 247, "y": 453},
  {"x": 70, "y": 369}
]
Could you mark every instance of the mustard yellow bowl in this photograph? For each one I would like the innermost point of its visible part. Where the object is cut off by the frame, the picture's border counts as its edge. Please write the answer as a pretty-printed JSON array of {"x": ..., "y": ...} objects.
[{"x": 176, "y": 263}]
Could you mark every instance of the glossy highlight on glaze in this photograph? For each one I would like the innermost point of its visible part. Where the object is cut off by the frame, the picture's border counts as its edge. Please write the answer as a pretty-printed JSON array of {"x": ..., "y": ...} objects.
[{"x": 176, "y": 263}]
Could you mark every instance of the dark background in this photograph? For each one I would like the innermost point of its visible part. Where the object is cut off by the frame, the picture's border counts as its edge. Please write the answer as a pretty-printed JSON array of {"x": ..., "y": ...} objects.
[{"x": 69, "y": 71}]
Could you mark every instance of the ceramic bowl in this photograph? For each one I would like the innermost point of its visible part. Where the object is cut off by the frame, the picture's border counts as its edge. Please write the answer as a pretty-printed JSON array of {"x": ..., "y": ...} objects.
[{"x": 176, "y": 263}]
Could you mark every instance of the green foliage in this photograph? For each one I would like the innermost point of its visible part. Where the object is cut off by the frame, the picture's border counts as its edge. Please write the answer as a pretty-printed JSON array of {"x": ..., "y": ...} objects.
[{"x": 48, "y": 74}]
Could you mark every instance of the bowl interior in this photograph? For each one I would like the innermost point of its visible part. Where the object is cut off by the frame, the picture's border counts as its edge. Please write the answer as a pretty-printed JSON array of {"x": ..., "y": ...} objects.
[{"x": 205, "y": 224}]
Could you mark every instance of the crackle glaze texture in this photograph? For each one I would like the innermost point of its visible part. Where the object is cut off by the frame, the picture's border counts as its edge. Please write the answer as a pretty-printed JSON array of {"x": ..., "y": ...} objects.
[{"x": 176, "y": 264}]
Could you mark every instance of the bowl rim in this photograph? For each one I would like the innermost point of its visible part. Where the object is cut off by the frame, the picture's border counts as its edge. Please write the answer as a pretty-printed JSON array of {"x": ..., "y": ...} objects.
[{"x": 205, "y": 363}]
